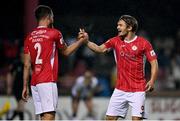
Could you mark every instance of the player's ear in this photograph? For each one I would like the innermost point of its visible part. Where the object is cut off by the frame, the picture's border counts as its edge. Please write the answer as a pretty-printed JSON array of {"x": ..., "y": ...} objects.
[{"x": 130, "y": 28}]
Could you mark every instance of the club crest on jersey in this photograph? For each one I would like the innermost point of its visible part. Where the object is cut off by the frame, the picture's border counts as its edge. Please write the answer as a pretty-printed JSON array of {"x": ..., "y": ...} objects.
[
  {"x": 134, "y": 47},
  {"x": 152, "y": 53}
]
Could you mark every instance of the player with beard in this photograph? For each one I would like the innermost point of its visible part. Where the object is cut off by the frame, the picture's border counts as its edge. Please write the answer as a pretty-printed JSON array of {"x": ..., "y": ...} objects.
[
  {"x": 41, "y": 53},
  {"x": 131, "y": 85}
]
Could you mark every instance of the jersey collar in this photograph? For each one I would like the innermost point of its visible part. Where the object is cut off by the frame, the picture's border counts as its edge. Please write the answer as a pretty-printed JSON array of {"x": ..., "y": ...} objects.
[{"x": 131, "y": 40}]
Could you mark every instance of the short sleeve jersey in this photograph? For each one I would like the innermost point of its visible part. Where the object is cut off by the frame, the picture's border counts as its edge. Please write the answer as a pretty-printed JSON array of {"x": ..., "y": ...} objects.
[
  {"x": 42, "y": 44},
  {"x": 130, "y": 58}
]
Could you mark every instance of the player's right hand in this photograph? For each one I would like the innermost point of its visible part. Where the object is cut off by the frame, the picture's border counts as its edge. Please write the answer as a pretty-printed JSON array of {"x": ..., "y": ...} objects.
[
  {"x": 25, "y": 94},
  {"x": 83, "y": 35},
  {"x": 149, "y": 86}
]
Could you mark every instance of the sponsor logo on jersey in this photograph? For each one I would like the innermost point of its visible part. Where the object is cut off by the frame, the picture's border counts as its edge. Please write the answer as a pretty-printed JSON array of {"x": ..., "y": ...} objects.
[
  {"x": 38, "y": 32},
  {"x": 128, "y": 55}
]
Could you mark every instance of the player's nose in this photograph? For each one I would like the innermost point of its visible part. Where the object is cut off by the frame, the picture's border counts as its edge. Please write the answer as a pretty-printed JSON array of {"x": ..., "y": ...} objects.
[{"x": 118, "y": 28}]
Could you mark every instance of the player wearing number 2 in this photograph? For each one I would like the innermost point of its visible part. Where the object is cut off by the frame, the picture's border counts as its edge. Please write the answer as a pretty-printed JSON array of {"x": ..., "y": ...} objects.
[{"x": 41, "y": 53}]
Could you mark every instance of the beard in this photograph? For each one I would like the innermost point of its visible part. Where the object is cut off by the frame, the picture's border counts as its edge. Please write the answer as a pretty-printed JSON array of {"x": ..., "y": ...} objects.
[{"x": 122, "y": 36}]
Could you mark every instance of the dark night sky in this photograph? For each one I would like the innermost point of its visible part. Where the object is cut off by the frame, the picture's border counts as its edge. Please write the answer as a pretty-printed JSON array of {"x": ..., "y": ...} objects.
[
  {"x": 11, "y": 18},
  {"x": 159, "y": 16}
]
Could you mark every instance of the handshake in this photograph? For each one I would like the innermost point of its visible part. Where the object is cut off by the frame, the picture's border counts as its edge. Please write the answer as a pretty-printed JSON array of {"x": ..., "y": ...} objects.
[{"x": 83, "y": 36}]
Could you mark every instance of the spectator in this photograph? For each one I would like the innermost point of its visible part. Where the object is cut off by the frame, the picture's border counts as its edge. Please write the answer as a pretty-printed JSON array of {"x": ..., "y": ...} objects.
[
  {"x": 85, "y": 87},
  {"x": 15, "y": 86}
]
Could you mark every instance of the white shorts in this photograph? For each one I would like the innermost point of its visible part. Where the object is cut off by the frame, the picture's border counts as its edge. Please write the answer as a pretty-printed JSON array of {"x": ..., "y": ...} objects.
[
  {"x": 45, "y": 97},
  {"x": 120, "y": 102}
]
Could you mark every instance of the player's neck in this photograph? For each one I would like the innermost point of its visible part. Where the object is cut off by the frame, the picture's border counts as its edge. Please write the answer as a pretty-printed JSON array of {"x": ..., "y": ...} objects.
[
  {"x": 43, "y": 24},
  {"x": 130, "y": 37}
]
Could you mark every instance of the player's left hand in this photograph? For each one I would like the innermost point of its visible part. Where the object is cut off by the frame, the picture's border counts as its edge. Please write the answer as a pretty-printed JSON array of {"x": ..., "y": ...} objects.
[
  {"x": 83, "y": 35},
  {"x": 149, "y": 86}
]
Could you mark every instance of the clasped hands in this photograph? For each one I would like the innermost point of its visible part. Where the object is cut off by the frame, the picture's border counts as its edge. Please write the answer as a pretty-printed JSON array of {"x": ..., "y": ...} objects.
[{"x": 83, "y": 36}]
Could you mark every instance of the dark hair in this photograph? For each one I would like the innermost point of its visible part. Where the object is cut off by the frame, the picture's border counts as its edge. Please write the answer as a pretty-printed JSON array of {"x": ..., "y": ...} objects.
[
  {"x": 42, "y": 11},
  {"x": 130, "y": 21}
]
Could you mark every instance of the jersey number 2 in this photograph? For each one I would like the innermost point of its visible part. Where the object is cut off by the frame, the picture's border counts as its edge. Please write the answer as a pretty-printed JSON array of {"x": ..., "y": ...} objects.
[{"x": 37, "y": 46}]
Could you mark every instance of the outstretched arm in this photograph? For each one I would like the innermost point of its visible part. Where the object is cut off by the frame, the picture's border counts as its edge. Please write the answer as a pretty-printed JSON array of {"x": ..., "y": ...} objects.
[
  {"x": 71, "y": 48},
  {"x": 154, "y": 73},
  {"x": 67, "y": 50},
  {"x": 94, "y": 47}
]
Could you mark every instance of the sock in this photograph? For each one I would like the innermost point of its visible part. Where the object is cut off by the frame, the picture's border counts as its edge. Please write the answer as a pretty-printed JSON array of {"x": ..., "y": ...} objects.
[
  {"x": 74, "y": 115},
  {"x": 21, "y": 115}
]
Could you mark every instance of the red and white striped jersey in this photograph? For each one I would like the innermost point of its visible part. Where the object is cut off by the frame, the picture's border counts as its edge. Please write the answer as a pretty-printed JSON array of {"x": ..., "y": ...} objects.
[
  {"x": 42, "y": 44},
  {"x": 130, "y": 62}
]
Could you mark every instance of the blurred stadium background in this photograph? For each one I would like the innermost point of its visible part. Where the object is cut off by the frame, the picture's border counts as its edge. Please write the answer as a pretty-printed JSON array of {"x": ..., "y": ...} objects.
[{"x": 158, "y": 22}]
